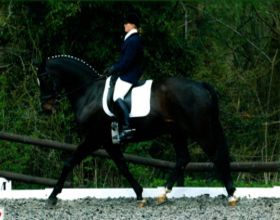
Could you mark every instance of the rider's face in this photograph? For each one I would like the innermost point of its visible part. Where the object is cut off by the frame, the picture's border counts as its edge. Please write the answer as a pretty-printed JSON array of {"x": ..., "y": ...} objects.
[{"x": 128, "y": 27}]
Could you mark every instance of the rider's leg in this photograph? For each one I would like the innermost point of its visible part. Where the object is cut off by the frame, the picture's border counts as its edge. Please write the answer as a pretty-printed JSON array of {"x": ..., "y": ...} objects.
[
  {"x": 123, "y": 113},
  {"x": 122, "y": 110}
]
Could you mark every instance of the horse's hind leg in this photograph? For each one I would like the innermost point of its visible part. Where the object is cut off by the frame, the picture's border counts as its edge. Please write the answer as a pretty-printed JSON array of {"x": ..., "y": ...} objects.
[
  {"x": 182, "y": 159},
  {"x": 215, "y": 146},
  {"x": 83, "y": 150}
]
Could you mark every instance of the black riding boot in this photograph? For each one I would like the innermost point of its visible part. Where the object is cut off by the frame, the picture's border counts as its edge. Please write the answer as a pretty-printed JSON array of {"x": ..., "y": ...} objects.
[{"x": 123, "y": 115}]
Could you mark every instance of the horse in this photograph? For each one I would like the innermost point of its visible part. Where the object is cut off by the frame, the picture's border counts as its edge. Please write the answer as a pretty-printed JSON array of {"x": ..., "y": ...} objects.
[{"x": 179, "y": 107}]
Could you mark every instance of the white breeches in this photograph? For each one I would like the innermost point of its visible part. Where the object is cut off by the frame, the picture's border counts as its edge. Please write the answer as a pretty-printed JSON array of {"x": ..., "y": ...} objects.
[{"x": 121, "y": 89}]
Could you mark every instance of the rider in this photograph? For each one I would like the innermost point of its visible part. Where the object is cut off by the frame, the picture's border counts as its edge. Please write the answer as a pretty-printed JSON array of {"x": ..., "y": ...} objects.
[{"x": 128, "y": 69}]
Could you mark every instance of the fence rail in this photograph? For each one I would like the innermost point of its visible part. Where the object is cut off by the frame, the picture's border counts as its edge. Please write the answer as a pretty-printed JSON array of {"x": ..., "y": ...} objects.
[
  {"x": 191, "y": 167},
  {"x": 30, "y": 179}
]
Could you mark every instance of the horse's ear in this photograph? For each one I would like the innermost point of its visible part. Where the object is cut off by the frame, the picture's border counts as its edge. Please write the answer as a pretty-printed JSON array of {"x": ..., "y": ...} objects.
[
  {"x": 36, "y": 62},
  {"x": 39, "y": 63}
]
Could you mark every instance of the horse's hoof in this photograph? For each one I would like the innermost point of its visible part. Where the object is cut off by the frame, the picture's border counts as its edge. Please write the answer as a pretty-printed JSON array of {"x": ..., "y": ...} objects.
[
  {"x": 51, "y": 202},
  {"x": 162, "y": 199},
  {"x": 142, "y": 203},
  {"x": 232, "y": 201}
]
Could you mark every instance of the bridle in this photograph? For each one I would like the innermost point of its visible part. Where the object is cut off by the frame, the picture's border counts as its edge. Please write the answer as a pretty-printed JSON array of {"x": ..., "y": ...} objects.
[
  {"x": 48, "y": 76},
  {"x": 53, "y": 98}
]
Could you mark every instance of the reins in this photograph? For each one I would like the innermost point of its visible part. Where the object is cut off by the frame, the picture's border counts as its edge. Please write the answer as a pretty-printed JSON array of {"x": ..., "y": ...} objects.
[{"x": 90, "y": 69}]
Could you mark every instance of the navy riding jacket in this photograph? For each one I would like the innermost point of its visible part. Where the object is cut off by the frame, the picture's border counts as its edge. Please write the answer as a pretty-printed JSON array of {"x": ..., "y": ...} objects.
[{"x": 129, "y": 65}]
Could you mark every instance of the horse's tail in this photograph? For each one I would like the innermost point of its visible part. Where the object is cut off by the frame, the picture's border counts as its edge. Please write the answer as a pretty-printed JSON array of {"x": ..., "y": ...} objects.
[{"x": 214, "y": 97}]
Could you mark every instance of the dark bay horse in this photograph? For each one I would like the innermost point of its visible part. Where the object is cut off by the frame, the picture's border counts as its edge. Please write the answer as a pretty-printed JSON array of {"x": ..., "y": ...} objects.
[{"x": 180, "y": 107}]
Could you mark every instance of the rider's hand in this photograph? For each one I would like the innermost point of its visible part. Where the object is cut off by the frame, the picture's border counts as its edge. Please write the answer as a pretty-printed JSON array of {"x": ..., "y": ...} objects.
[{"x": 108, "y": 70}]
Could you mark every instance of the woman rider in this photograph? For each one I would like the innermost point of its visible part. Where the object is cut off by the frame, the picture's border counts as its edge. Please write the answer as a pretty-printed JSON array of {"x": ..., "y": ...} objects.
[{"x": 129, "y": 70}]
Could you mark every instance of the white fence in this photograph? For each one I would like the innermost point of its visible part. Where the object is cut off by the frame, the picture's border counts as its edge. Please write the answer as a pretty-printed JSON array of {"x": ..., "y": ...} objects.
[
  {"x": 5, "y": 185},
  {"x": 177, "y": 192},
  {"x": 6, "y": 192}
]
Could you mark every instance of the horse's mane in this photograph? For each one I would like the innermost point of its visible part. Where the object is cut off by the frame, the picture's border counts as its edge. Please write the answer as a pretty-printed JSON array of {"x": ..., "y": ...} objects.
[{"x": 72, "y": 63}]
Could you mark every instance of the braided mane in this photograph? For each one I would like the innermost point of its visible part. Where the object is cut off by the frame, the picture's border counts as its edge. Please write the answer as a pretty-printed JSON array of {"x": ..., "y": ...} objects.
[{"x": 74, "y": 63}]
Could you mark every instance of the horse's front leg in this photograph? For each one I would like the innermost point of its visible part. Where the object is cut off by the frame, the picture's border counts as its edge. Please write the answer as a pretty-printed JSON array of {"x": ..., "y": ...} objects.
[
  {"x": 83, "y": 150},
  {"x": 182, "y": 159},
  {"x": 117, "y": 156}
]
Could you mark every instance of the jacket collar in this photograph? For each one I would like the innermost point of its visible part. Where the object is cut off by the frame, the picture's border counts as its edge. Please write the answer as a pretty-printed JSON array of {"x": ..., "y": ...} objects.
[{"x": 132, "y": 31}]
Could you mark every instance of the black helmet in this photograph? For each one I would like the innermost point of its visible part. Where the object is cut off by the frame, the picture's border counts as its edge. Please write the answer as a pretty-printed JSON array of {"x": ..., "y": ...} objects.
[{"x": 132, "y": 18}]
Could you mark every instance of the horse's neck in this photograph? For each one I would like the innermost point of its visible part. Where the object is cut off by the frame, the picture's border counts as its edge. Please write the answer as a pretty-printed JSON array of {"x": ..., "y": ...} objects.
[{"x": 86, "y": 94}]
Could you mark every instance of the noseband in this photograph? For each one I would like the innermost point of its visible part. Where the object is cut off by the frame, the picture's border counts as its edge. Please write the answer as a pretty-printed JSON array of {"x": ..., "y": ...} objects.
[{"x": 48, "y": 77}]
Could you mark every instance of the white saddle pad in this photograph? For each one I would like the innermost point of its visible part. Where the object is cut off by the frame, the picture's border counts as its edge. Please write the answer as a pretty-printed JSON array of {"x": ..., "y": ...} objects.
[{"x": 140, "y": 99}]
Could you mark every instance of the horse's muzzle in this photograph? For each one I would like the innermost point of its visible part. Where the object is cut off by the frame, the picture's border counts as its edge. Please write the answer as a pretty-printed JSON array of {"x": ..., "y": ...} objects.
[{"x": 48, "y": 106}]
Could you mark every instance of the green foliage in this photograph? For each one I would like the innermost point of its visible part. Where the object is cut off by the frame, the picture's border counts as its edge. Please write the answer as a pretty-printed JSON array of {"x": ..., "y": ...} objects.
[{"x": 234, "y": 45}]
